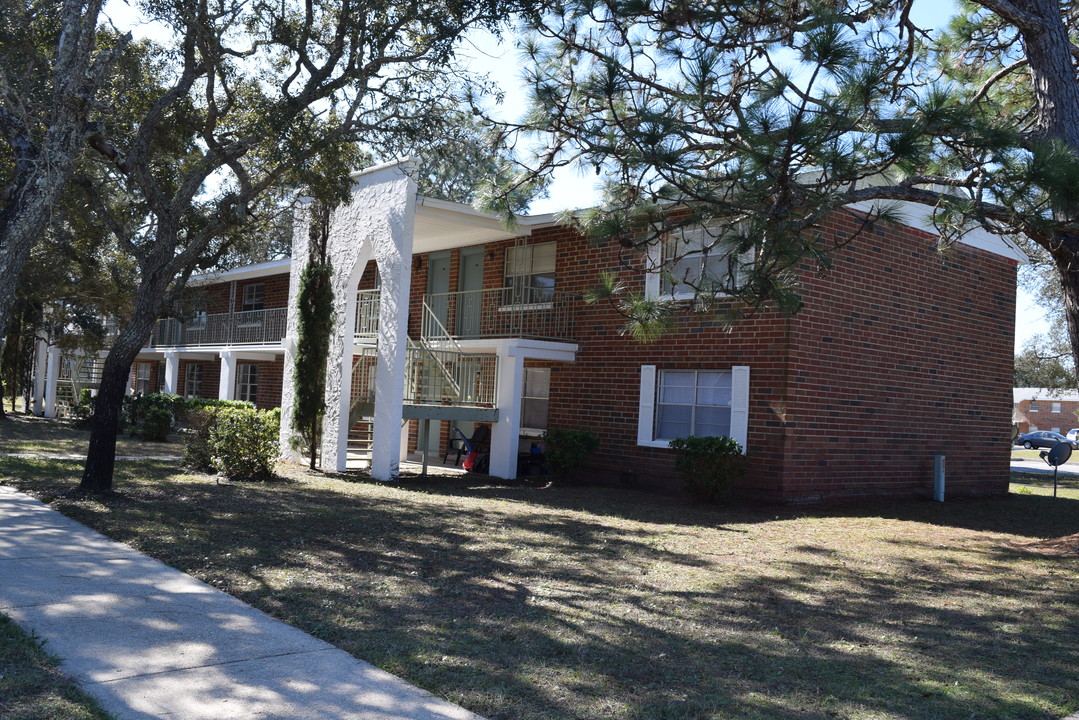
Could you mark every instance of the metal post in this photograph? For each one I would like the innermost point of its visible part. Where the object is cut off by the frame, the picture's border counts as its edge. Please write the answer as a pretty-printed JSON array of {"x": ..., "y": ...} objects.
[
  {"x": 425, "y": 431},
  {"x": 938, "y": 478}
]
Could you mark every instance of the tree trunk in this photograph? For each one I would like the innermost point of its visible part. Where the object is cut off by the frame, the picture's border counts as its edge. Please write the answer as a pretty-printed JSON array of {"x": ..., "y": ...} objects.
[
  {"x": 1066, "y": 259},
  {"x": 115, "y": 375}
]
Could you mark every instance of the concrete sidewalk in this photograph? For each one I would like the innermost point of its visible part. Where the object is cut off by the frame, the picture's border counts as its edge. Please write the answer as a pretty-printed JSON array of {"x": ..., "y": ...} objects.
[{"x": 151, "y": 642}]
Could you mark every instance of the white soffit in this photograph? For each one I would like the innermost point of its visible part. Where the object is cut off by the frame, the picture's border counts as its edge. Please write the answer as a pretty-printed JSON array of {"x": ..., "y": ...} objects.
[
  {"x": 921, "y": 217},
  {"x": 441, "y": 225}
]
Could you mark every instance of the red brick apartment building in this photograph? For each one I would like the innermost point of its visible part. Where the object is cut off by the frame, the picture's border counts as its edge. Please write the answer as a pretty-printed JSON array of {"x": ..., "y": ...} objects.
[
  {"x": 900, "y": 354},
  {"x": 1041, "y": 409}
]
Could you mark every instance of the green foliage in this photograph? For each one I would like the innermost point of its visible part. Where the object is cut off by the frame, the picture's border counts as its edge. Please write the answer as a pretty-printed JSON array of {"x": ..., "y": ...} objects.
[
  {"x": 567, "y": 451},
  {"x": 244, "y": 442},
  {"x": 709, "y": 466},
  {"x": 238, "y": 442},
  {"x": 316, "y": 318},
  {"x": 153, "y": 415}
]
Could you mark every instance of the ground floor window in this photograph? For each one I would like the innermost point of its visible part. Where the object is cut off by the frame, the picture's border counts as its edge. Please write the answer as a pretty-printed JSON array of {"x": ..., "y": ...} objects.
[
  {"x": 142, "y": 378},
  {"x": 247, "y": 383},
  {"x": 676, "y": 403},
  {"x": 193, "y": 381},
  {"x": 535, "y": 400}
]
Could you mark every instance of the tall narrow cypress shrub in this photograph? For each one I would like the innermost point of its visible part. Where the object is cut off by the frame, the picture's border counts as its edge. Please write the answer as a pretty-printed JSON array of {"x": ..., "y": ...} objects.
[{"x": 315, "y": 302}]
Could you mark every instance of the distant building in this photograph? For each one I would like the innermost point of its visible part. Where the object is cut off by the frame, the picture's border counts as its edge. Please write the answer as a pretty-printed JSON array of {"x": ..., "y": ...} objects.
[{"x": 1042, "y": 409}]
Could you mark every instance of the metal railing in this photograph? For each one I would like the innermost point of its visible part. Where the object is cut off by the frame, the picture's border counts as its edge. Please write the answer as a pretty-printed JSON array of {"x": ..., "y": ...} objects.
[
  {"x": 430, "y": 377},
  {"x": 367, "y": 305},
  {"x": 448, "y": 376},
  {"x": 250, "y": 327},
  {"x": 533, "y": 313}
]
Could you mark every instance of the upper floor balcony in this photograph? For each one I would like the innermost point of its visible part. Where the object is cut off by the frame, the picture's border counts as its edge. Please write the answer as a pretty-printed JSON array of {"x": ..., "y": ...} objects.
[
  {"x": 250, "y": 327},
  {"x": 525, "y": 313}
]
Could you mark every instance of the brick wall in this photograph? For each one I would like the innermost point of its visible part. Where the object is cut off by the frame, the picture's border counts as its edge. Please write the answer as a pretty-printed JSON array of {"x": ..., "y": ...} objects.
[
  {"x": 214, "y": 298},
  {"x": 211, "y": 377},
  {"x": 900, "y": 354}
]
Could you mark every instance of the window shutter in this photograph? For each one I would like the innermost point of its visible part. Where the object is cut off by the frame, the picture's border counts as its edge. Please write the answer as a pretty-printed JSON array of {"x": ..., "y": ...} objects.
[
  {"x": 646, "y": 410},
  {"x": 740, "y": 404}
]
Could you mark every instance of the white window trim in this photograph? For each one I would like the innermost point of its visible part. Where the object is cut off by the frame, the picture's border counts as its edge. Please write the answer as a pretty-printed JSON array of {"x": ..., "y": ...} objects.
[
  {"x": 655, "y": 268},
  {"x": 1056, "y": 407},
  {"x": 646, "y": 411}
]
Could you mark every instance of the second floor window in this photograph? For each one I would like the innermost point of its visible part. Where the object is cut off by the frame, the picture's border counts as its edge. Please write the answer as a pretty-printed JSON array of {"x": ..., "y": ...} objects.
[
  {"x": 253, "y": 297},
  {"x": 1033, "y": 406},
  {"x": 530, "y": 273},
  {"x": 700, "y": 259},
  {"x": 1056, "y": 407}
]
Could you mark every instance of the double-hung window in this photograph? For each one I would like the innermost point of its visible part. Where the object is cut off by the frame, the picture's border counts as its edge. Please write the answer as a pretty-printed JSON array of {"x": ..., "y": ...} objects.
[
  {"x": 535, "y": 400},
  {"x": 247, "y": 383},
  {"x": 193, "y": 381},
  {"x": 142, "y": 378},
  {"x": 678, "y": 403},
  {"x": 530, "y": 277},
  {"x": 253, "y": 297}
]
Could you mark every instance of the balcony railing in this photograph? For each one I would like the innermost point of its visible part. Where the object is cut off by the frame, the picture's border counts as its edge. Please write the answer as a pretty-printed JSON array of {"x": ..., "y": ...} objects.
[
  {"x": 367, "y": 304},
  {"x": 533, "y": 313},
  {"x": 431, "y": 376},
  {"x": 250, "y": 327}
]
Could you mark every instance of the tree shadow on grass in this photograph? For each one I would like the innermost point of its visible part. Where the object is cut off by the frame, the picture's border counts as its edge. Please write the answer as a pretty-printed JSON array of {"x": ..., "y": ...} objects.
[{"x": 578, "y": 602}]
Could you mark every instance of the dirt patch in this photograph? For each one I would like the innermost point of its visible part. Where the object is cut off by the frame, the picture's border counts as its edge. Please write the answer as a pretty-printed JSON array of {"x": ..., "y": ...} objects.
[{"x": 1067, "y": 546}]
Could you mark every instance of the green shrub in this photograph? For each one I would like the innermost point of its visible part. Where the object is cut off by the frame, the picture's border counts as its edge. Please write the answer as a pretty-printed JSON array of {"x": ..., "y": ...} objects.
[
  {"x": 567, "y": 451},
  {"x": 240, "y": 442},
  {"x": 83, "y": 410},
  {"x": 709, "y": 466},
  {"x": 198, "y": 453},
  {"x": 156, "y": 424}
]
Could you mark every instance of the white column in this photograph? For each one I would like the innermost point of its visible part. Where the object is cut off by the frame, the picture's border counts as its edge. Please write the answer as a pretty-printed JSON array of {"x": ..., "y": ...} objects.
[
  {"x": 395, "y": 269},
  {"x": 41, "y": 357},
  {"x": 172, "y": 372},
  {"x": 506, "y": 433},
  {"x": 335, "y": 445},
  {"x": 52, "y": 379},
  {"x": 226, "y": 387}
]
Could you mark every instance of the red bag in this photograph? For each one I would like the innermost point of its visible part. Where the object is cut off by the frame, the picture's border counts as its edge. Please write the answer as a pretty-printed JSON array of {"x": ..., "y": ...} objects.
[{"x": 470, "y": 461}]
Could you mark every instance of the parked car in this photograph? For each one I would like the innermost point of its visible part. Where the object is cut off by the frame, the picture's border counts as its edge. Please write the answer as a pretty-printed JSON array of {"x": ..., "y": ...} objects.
[
  {"x": 1073, "y": 434},
  {"x": 1043, "y": 439}
]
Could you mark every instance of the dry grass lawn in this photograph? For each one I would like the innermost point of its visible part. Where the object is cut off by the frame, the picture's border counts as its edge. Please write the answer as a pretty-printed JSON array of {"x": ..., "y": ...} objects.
[{"x": 552, "y": 603}]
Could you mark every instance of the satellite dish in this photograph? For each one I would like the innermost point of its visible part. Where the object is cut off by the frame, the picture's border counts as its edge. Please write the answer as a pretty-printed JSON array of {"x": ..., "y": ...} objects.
[{"x": 1059, "y": 454}]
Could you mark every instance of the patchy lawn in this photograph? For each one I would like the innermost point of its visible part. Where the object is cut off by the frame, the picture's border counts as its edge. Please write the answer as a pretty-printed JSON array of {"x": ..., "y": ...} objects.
[
  {"x": 29, "y": 434},
  {"x": 31, "y": 686},
  {"x": 553, "y": 603}
]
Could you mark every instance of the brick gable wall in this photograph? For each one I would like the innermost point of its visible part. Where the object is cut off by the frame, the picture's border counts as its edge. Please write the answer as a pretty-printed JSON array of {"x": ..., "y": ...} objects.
[{"x": 900, "y": 354}]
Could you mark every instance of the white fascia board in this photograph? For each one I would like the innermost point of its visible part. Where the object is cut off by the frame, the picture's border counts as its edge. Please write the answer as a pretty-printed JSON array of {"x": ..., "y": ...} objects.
[
  {"x": 920, "y": 217},
  {"x": 527, "y": 349},
  {"x": 247, "y": 272}
]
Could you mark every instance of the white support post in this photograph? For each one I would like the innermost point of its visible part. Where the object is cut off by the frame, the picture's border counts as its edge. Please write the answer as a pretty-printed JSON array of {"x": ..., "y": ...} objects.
[
  {"x": 335, "y": 445},
  {"x": 172, "y": 373},
  {"x": 395, "y": 269},
  {"x": 506, "y": 433},
  {"x": 226, "y": 387},
  {"x": 52, "y": 379},
  {"x": 41, "y": 358}
]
